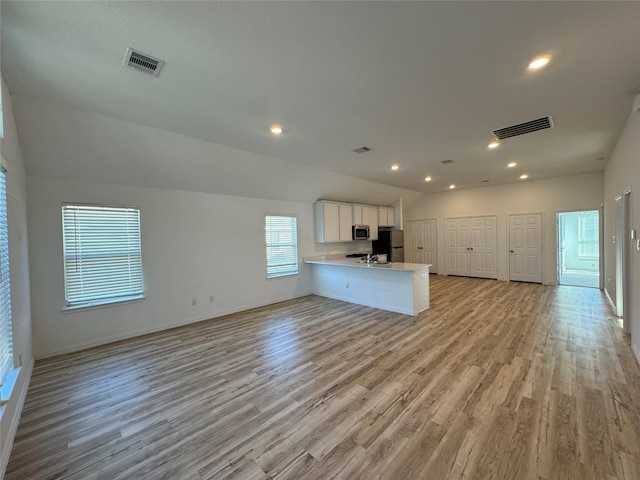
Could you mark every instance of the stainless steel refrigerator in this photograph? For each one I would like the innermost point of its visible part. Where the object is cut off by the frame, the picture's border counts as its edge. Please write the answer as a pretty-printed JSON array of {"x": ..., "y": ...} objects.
[{"x": 390, "y": 242}]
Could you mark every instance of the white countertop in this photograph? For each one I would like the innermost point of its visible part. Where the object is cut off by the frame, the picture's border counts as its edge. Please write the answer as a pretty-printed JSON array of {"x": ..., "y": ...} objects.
[{"x": 342, "y": 261}]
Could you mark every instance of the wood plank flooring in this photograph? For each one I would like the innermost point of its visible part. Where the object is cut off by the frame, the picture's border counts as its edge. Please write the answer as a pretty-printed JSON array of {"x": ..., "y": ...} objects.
[{"x": 497, "y": 380}]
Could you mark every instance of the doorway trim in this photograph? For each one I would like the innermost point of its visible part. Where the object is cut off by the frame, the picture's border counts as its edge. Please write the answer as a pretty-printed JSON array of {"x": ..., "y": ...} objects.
[
  {"x": 558, "y": 253},
  {"x": 622, "y": 244}
]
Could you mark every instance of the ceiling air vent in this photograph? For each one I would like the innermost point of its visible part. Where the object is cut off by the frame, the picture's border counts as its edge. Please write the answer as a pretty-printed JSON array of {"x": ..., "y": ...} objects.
[
  {"x": 142, "y": 62},
  {"x": 446, "y": 162},
  {"x": 362, "y": 150},
  {"x": 522, "y": 128}
]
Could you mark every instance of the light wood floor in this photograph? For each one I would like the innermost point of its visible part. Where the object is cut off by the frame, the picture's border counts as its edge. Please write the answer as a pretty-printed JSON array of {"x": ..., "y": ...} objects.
[{"x": 496, "y": 381}]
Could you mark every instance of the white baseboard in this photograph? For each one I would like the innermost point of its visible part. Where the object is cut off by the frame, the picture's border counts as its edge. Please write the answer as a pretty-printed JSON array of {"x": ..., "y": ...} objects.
[
  {"x": 613, "y": 305},
  {"x": 156, "y": 328},
  {"x": 13, "y": 427},
  {"x": 636, "y": 352}
]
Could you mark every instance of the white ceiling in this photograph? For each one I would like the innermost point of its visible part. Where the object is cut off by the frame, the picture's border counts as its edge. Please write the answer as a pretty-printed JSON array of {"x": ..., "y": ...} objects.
[{"x": 418, "y": 82}]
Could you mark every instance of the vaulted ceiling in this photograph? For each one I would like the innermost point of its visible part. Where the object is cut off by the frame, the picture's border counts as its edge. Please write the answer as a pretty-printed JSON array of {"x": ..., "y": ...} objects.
[{"x": 416, "y": 82}]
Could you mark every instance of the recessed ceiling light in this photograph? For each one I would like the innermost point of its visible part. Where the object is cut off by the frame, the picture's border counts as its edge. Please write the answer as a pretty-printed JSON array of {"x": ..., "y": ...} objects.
[
  {"x": 427, "y": 179},
  {"x": 524, "y": 176},
  {"x": 512, "y": 164},
  {"x": 395, "y": 166},
  {"x": 493, "y": 145},
  {"x": 276, "y": 129},
  {"x": 452, "y": 186},
  {"x": 539, "y": 62}
]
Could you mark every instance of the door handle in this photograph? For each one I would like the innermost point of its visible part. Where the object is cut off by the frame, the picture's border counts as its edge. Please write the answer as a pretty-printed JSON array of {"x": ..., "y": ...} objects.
[{"x": 510, "y": 251}]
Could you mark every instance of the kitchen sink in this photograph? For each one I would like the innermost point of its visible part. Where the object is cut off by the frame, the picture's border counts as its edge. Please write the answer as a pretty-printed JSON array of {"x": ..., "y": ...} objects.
[{"x": 375, "y": 262}]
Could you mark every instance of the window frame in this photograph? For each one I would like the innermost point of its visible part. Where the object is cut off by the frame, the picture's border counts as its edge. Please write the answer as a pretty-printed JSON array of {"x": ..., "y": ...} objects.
[
  {"x": 294, "y": 267},
  {"x": 584, "y": 252},
  {"x": 73, "y": 301},
  {"x": 7, "y": 360}
]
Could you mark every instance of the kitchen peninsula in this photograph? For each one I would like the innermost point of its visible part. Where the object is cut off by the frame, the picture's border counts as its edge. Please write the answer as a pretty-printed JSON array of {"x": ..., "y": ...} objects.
[{"x": 397, "y": 287}]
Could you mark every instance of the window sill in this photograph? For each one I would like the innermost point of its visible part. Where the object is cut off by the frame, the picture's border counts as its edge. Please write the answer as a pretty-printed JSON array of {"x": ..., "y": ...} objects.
[
  {"x": 289, "y": 274},
  {"x": 7, "y": 387},
  {"x": 102, "y": 304}
]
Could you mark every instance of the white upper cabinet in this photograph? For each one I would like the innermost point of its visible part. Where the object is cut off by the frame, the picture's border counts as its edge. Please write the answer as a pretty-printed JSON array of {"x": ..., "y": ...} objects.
[
  {"x": 370, "y": 217},
  {"x": 346, "y": 217},
  {"x": 357, "y": 215},
  {"x": 333, "y": 222},
  {"x": 386, "y": 217},
  {"x": 335, "y": 219}
]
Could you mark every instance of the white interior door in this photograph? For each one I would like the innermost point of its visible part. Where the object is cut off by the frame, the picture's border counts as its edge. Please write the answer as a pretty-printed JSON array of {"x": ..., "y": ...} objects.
[
  {"x": 525, "y": 248},
  {"x": 458, "y": 246},
  {"x": 411, "y": 251},
  {"x": 420, "y": 243},
  {"x": 483, "y": 247},
  {"x": 471, "y": 247},
  {"x": 429, "y": 244}
]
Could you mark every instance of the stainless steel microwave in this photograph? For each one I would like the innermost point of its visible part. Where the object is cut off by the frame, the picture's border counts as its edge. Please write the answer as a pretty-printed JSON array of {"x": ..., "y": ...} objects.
[{"x": 361, "y": 232}]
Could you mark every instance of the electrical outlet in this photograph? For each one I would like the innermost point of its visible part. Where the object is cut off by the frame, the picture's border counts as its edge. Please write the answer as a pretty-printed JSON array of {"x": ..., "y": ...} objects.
[
  {"x": 211, "y": 298},
  {"x": 193, "y": 302}
]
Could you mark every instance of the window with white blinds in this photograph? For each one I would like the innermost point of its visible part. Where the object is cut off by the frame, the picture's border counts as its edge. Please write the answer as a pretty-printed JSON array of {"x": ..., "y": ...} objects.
[
  {"x": 102, "y": 254},
  {"x": 588, "y": 229},
  {"x": 282, "y": 245},
  {"x": 6, "y": 335}
]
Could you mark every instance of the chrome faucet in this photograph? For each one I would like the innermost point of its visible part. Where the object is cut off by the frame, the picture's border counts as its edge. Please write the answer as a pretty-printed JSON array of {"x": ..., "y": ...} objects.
[{"x": 372, "y": 257}]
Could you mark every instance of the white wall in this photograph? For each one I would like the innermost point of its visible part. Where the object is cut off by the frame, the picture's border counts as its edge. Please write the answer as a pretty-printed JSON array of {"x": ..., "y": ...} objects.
[
  {"x": 64, "y": 142},
  {"x": 193, "y": 245},
  {"x": 549, "y": 196},
  {"x": 19, "y": 271},
  {"x": 621, "y": 174}
]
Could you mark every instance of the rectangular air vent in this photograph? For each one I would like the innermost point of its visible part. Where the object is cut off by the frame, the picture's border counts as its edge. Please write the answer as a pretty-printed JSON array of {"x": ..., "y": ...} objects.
[
  {"x": 362, "y": 150},
  {"x": 142, "y": 62},
  {"x": 523, "y": 128}
]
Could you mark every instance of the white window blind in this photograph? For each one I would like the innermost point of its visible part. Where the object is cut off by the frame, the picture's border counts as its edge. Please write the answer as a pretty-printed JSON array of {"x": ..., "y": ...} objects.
[
  {"x": 588, "y": 235},
  {"x": 6, "y": 335},
  {"x": 282, "y": 245},
  {"x": 102, "y": 254}
]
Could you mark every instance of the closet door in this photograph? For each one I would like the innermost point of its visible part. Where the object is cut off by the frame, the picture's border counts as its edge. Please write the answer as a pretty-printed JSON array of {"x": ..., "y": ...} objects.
[
  {"x": 457, "y": 246},
  {"x": 430, "y": 248},
  {"x": 483, "y": 247},
  {"x": 525, "y": 247},
  {"x": 471, "y": 246},
  {"x": 420, "y": 243},
  {"x": 411, "y": 251}
]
